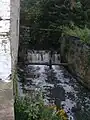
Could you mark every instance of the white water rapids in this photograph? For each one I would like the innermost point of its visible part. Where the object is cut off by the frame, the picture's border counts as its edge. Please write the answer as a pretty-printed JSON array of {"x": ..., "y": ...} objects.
[{"x": 57, "y": 85}]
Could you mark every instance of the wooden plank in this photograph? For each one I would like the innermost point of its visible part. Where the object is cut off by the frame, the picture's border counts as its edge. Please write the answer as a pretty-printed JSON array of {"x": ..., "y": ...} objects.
[
  {"x": 34, "y": 63},
  {"x": 41, "y": 29}
]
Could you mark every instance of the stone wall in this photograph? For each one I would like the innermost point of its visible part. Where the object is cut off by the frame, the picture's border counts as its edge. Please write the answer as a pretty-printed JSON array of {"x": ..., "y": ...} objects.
[{"x": 78, "y": 54}]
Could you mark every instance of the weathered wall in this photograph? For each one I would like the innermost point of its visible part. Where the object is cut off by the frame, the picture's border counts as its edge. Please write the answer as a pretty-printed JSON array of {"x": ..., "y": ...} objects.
[
  {"x": 15, "y": 16},
  {"x": 15, "y": 12},
  {"x": 78, "y": 54},
  {"x": 14, "y": 41},
  {"x": 6, "y": 88}
]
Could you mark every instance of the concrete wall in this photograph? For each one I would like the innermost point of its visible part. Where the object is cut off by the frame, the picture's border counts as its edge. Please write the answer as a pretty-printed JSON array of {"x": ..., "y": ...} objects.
[
  {"x": 78, "y": 54},
  {"x": 15, "y": 12},
  {"x": 14, "y": 33},
  {"x": 6, "y": 93},
  {"x": 6, "y": 88}
]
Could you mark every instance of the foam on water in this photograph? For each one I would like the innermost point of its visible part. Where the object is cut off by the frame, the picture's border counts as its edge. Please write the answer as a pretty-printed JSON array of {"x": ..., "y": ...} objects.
[{"x": 57, "y": 85}]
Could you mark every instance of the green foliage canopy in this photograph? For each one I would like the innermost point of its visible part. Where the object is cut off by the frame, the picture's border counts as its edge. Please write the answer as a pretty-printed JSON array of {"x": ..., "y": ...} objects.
[{"x": 53, "y": 15}]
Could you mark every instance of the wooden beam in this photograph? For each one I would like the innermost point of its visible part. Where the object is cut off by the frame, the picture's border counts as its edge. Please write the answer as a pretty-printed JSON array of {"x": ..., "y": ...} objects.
[
  {"x": 34, "y": 63},
  {"x": 41, "y": 29}
]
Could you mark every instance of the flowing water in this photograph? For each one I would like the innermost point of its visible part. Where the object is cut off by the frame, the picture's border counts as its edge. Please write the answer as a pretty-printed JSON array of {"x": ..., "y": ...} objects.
[{"x": 57, "y": 85}]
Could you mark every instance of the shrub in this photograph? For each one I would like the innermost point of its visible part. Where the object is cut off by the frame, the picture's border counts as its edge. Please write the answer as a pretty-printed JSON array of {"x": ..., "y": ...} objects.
[
  {"x": 83, "y": 34},
  {"x": 33, "y": 108}
]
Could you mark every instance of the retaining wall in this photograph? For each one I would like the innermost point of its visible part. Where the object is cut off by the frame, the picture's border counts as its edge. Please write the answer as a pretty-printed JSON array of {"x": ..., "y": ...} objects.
[
  {"x": 15, "y": 12},
  {"x": 78, "y": 54}
]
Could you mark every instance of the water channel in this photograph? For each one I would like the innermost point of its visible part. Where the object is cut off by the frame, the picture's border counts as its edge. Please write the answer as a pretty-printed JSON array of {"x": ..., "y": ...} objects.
[{"x": 57, "y": 85}]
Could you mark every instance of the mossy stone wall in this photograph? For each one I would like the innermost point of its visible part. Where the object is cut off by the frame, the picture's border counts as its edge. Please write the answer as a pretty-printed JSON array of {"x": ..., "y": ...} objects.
[{"x": 74, "y": 51}]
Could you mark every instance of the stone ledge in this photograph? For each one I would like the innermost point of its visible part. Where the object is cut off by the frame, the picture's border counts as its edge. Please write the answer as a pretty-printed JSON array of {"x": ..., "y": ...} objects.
[{"x": 6, "y": 101}]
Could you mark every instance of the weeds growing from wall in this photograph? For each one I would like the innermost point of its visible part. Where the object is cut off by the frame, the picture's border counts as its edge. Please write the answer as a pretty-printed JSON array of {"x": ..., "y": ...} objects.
[{"x": 82, "y": 33}]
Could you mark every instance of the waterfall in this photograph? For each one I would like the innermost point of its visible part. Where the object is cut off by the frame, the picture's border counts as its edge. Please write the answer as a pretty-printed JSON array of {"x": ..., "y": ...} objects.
[{"x": 42, "y": 56}]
